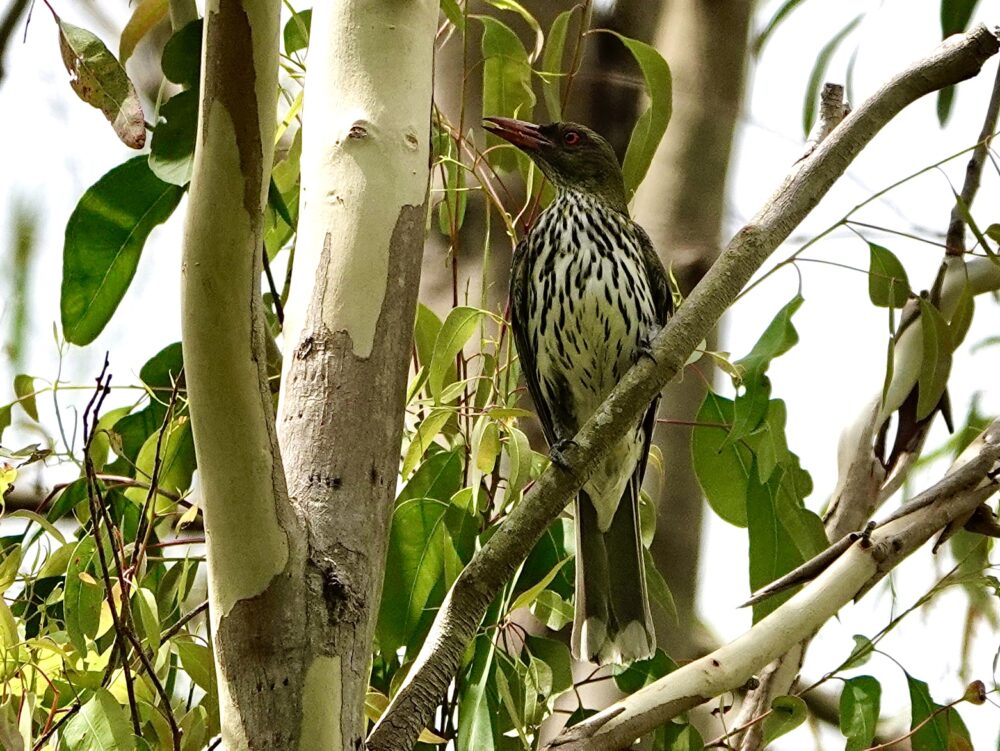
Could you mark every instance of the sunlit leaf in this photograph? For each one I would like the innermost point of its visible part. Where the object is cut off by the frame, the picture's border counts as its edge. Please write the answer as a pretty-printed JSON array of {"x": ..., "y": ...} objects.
[
  {"x": 196, "y": 658},
  {"x": 296, "y": 34},
  {"x": 507, "y": 88},
  {"x": 101, "y": 725},
  {"x": 145, "y": 16},
  {"x": 475, "y": 717},
  {"x": 99, "y": 79},
  {"x": 104, "y": 239},
  {"x": 82, "y": 603},
  {"x": 530, "y": 595},
  {"x": 420, "y": 551},
  {"x": 423, "y": 438},
  {"x": 458, "y": 327}
]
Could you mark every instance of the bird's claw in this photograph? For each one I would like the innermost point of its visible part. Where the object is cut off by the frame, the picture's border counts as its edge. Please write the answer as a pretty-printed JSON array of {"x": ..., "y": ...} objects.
[
  {"x": 644, "y": 350},
  {"x": 556, "y": 455}
]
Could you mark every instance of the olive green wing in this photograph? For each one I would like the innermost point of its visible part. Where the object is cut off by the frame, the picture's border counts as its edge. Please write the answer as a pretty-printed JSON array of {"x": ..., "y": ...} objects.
[{"x": 659, "y": 282}]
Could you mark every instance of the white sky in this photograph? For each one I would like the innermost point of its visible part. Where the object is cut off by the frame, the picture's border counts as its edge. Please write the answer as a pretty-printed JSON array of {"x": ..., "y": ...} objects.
[{"x": 57, "y": 147}]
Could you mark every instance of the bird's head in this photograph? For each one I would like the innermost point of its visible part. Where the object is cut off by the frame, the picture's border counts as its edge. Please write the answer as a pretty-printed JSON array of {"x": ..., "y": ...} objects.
[{"x": 571, "y": 156}]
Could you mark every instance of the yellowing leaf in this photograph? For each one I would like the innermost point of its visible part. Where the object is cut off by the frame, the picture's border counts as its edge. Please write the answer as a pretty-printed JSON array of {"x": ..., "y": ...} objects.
[
  {"x": 145, "y": 15},
  {"x": 100, "y": 80}
]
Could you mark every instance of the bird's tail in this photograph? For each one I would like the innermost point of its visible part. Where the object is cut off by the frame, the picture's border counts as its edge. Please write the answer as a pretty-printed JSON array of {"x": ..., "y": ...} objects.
[{"x": 612, "y": 622}]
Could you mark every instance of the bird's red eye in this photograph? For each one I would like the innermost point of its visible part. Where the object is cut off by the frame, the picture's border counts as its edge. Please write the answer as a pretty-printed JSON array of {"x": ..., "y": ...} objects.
[{"x": 572, "y": 138}]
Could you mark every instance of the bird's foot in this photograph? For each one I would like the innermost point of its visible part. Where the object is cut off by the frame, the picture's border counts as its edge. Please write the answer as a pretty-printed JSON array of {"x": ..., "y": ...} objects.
[
  {"x": 645, "y": 347},
  {"x": 556, "y": 453}
]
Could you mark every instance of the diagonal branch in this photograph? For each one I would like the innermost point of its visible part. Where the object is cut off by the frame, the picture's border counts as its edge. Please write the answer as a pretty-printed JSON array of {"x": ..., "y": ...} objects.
[
  {"x": 958, "y": 58},
  {"x": 961, "y": 490}
]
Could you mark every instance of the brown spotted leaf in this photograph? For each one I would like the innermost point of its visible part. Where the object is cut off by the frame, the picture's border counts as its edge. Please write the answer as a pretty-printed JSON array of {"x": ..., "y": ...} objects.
[{"x": 100, "y": 80}]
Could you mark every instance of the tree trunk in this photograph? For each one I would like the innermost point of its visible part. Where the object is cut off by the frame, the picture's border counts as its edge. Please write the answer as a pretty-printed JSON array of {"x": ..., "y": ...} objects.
[
  {"x": 348, "y": 329},
  {"x": 681, "y": 206},
  {"x": 253, "y": 539},
  {"x": 294, "y": 586}
]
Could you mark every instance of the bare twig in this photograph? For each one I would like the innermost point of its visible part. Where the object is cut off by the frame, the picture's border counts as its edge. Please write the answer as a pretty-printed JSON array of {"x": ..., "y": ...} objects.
[{"x": 955, "y": 241}]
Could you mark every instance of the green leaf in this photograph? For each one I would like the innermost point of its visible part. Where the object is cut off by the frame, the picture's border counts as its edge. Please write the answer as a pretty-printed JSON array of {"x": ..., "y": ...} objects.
[
  {"x": 862, "y": 652},
  {"x": 104, "y": 239},
  {"x": 516, "y": 7},
  {"x": 458, "y": 327},
  {"x": 296, "y": 34},
  {"x": 454, "y": 13},
  {"x": 752, "y": 404},
  {"x": 5, "y": 418},
  {"x": 961, "y": 319},
  {"x": 783, "y": 535},
  {"x": 171, "y": 156},
  {"x": 420, "y": 553},
  {"x": 439, "y": 477},
  {"x": 144, "y": 603},
  {"x": 946, "y": 732},
  {"x": 530, "y": 595},
  {"x": 426, "y": 328},
  {"x": 721, "y": 466},
  {"x": 519, "y": 451},
  {"x": 196, "y": 659},
  {"x": 24, "y": 389},
  {"x": 82, "y": 602},
  {"x": 181, "y": 60},
  {"x": 772, "y": 25},
  {"x": 955, "y": 17},
  {"x": 860, "y": 703},
  {"x": 475, "y": 717},
  {"x": 659, "y": 592},
  {"x": 787, "y": 713},
  {"x": 556, "y": 655},
  {"x": 423, "y": 438},
  {"x": 177, "y": 460},
  {"x": 99, "y": 79},
  {"x": 680, "y": 737},
  {"x": 653, "y": 121},
  {"x": 630, "y": 678},
  {"x": 506, "y": 84},
  {"x": 158, "y": 374},
  {"x": 100, "y": 725},
  {"x": 819, "y": 72},
  {"x": 887, "y": 282},
  {"x": 552, "y": 64},
  {"x": 935, "y": 365},
  {"x": 9, "y": 567},
  {"x": 552, "y": 610}
]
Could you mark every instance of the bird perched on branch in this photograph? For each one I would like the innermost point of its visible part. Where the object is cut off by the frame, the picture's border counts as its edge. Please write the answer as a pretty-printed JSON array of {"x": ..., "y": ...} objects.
[{"x": 588, "y": 293}]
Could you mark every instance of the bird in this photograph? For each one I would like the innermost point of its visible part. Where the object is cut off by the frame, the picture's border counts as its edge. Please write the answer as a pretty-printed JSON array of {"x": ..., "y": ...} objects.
[{"x": 587, "y": 295}]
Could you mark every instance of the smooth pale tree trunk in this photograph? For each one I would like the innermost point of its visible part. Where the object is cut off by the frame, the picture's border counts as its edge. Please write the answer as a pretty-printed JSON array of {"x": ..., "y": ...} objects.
[
  {"x": 681, "y": 205},
  {"x": 294, "y": 580},
  {"x": 253, "y": 539},
  {"x": 348, "y": 329}
]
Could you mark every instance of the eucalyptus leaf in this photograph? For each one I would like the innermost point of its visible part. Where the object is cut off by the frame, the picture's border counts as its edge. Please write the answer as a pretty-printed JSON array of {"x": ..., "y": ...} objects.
[
  {"x": 552, "y": 64},
  {"x": 101, "y": 725},
  {"x": 507, "y": 88},
  {"x": 787, "y": 713},
  {"x": 653, "y": 121},
  {"x": 860, "y": 703},
  {"x": 935, "y": 730},
  {"x": 100, "y": 80},
  {"x": 935, "y": 365},
  {"x": 887, "y": 282},
  {"x": 104, "y": 239},
  {"x": 819, "y": 72}
]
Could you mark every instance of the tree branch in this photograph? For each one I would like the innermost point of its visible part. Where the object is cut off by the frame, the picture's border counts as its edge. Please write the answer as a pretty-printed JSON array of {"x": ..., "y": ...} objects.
[
  {"x": 955, "y": 241},
  {"x": 732, "y": 665},
  {"x": 958, "y": 58}
]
